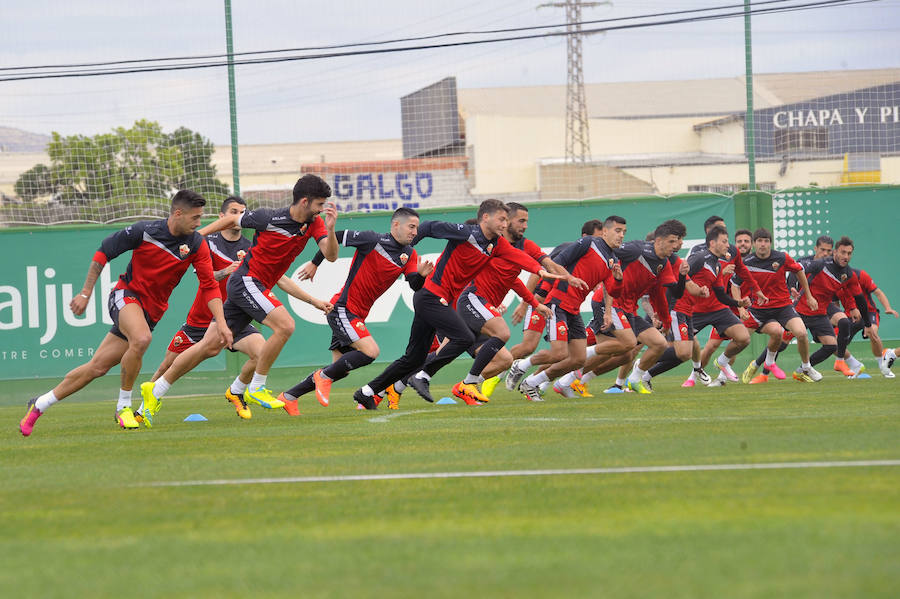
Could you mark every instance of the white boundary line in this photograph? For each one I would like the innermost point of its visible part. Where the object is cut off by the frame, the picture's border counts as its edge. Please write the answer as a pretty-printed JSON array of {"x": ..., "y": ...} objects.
[{"x": 505, "y": 473}]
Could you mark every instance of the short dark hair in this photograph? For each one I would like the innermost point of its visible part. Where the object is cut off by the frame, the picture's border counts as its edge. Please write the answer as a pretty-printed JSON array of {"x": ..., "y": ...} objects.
[
  {"x": 489, "y": 207},
  {"x": 844, "y": 240},
  {"x": 471, "y": 221},
  {"x": 670, "y": 227},
  {"x": 709, "y": 222},
  {"x": 311, "y": 186},
  {"x": 185, "y": 198},
  {"x": 762, "y": 233},
  {"x": 715, "y": 232},
  {"x": 515, "y": 207},
  {"x": 613, "y": 220},
  {"x": 824, "y": 239},
  {"x": 232, "y": 200},
  {"x": 590, "y": 226},
  {"x": 403, "y": 212},
  {"x": 744, "y": 232}
]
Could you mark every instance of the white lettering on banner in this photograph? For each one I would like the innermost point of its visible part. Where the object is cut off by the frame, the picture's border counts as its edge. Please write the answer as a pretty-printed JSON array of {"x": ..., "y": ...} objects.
[
  {"x": 48, "y": 318},
  {"x": 786, "y": 119},
  {"x": 389, "y": 190}
]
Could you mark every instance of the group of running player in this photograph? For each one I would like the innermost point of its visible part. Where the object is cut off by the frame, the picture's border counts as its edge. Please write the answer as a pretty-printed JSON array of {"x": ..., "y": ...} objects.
[{"x": 458, "y": 304}]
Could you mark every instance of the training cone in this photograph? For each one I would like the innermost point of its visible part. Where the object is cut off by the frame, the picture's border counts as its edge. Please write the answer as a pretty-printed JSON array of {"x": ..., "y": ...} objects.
[
  {"x": 445, "y": 401},
  {"x": 196, "y": 418},
  {"x": 862, "y": 375}
]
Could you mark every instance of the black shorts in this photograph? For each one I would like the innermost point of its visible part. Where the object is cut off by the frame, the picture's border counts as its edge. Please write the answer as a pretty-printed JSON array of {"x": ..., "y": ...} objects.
[
  {"x": 346, "y": 329},
  {"x": 780, "y": 315},
  {"x": 639, "y": 324},
  {"x": 819, "y": 325},
  {"x": 475, "y": 310},
  {"x": 619, "y": 320},
  {"x": 834, "y": 308},
  {"x": 118, "y": 299},
  {"x": 721, "y": 320},
  {"x": 564, "y": 326},
  {"x": 682, "y": 327},
  {"x": 247, "y": 300}
]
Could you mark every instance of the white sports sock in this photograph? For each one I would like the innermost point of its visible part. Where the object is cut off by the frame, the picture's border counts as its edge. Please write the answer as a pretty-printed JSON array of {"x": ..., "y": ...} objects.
[
  {"x": 620, "y": 382},
  {"x": 423, "y": 375},
  {"x": 586, "y": 377},
  {"x": 45, "y": 401},
  {"x": 646, "y": 377},
  {"x": 591, "y": 351},
  {"x": 805, "y": 365},
  {"x": 543, "y": 386},
  {"x": 891, "y": 354},
  {"x": 851, "y": 361},
  {"x": 525, "y": 363},
  {"x": 471, "y": 379},
  {"x": 567, "y": 379},
  {"x": 161, "y": 387},
  {"x": 696, "y": 364},
  {"x": 259, "y": 380},
  {"x": 124, "y": 399},
  {"x": 238, "y": 386},
  {"x": 636, "y": 373},
  {"x": 770, "y": 357},
  {"x": 367, "y": 391},
  {"x": 536, "y": 379},
  {"x": 399, "y": 387},
  {"x": 722, "y": 360}
]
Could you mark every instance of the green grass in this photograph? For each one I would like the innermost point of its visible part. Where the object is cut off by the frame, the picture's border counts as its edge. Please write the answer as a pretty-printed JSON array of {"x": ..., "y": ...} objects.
[{"x": 76, "y": 518}]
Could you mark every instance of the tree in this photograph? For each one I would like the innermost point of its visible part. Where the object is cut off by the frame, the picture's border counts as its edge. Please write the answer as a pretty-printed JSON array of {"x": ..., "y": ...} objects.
[{"x": 140, "y": 163}]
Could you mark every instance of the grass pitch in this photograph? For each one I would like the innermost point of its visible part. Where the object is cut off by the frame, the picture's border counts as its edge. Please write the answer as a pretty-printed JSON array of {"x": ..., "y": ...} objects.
[{"x": 79, "y": 515}]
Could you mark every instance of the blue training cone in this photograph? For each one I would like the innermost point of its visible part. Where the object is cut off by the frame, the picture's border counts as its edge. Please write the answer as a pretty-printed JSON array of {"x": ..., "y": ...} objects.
[
  {"x": 196, "y": 418},
  {"x": 445, "y": 401},
  {"x": 862, "y": 375}
]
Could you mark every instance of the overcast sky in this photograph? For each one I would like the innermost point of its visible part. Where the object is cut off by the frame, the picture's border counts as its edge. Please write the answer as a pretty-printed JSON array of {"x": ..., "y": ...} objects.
[{"x": 358, "y": 98}]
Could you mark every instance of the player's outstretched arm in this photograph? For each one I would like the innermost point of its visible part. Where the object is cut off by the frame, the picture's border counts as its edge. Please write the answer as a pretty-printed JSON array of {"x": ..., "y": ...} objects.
[
  {"x": 885, "y": 302},
  {"x": 220, "y": 224},
  {"x": 291, "y": 288},
  {"x": 79, "y": 302}
]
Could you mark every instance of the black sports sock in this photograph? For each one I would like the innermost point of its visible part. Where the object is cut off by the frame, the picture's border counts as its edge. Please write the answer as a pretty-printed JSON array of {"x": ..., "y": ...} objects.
[
  {"x": 484, "y": 356},
  {"x": 343, "y": 365},
  {"x": 302, "y": 388},
  {"x": 667, "y": 361},
  {"x": 821, "y": 354},
  {"x": 843, "y": 336}
]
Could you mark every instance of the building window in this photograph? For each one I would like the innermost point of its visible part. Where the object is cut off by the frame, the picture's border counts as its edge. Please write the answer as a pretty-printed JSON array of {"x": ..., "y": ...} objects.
[
  {"x": 812, "y": 139},
  {"x": 729, "y": 188}
]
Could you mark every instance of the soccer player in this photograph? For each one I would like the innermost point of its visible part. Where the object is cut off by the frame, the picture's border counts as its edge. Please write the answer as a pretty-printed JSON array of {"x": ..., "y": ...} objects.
[
  {"x": 468, "y": 248},
  {"x": 280, "y": 237},
  {"x": 711, "y": 269},
  {"x": 743, "y": 241},
  {"x": 533, "y": 324},
  {"x": 162, "y": 250},
  {"x": 647, "y": 271},
  {"x": 829, "y": 277},
  {"x": 590, "y": 259},
  {"x": 379, "y": 259},
  {"x": 885, "y": 357},
  {"x": 769, "y": 268},
  {"x": 479, "y": 301},
  {"x": 196, "y": 341}
]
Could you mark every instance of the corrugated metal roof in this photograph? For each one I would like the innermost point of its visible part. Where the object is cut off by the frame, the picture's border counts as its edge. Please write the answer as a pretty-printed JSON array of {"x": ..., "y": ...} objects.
[{"x": 643, "y": 99}]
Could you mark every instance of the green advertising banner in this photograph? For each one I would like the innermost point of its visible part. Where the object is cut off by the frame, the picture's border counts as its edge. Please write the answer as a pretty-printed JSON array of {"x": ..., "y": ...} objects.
[{"x": 40, "y": 337}]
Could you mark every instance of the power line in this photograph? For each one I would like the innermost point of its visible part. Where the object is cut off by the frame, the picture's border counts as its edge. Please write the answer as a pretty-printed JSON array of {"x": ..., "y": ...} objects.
[{"x": 256, "y": 61}]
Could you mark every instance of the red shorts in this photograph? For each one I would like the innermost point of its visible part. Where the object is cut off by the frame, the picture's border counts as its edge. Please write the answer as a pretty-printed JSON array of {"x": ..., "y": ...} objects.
[
  {"x": 186, "y": 337},
  {"x": 534, "y": 321}
]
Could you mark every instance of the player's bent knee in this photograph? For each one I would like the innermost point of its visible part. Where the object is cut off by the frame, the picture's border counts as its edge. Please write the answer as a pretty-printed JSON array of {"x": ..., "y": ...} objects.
[{"x": 140, "y": 342}]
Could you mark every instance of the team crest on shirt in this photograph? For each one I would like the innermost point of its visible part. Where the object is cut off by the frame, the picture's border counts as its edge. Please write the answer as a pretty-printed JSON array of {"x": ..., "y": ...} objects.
[
  {"x": 611, "y": 262},
  {"x": 443, "y": 301},
  {"x": 241, "y": 254},
  {"x": 775, "y": 266},
  {"x": 535, "y": 317},
  {"x": 177, "y": 340},
  {"x": 843, "y": 277},
  {"x": 359, "y": 325},
  {"x": 659, "y": 268},
  {"x": 489, "y": 248},
  {"x": 727, "y": 255},
  {"x": 184, "y": 250},
  {"x": 403, "y": 258}
]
